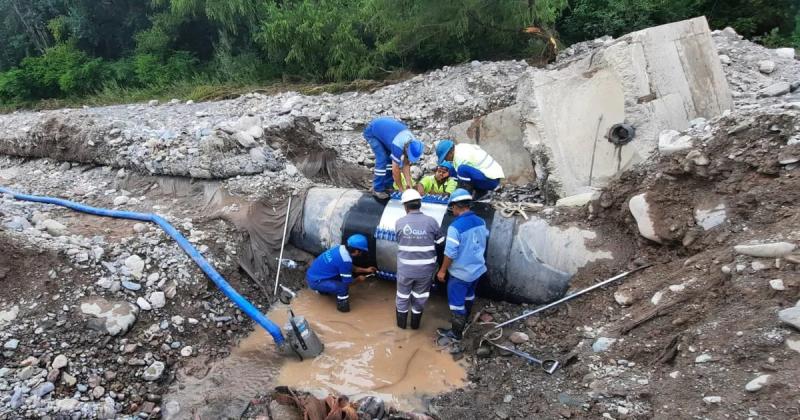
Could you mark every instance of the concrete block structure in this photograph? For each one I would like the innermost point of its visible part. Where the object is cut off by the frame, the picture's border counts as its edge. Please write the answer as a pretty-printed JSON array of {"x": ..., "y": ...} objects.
[{"x": 655, "y": 79}]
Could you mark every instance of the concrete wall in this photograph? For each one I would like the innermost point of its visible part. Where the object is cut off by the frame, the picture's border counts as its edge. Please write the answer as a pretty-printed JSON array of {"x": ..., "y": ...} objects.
[
  {"x": 500, "y": 134},
  {"x": 655, "y": 79}
]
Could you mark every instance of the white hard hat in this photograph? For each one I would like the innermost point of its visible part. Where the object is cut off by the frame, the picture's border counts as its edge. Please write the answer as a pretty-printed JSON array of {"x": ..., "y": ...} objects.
[{"x": 410, "y": 195}]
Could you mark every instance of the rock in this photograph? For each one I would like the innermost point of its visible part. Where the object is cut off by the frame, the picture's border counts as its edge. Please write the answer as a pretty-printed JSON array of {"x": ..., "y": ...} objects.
[
  {"x": 709, "y": 218},
  {"x": 671, "y": 141},
  {"x": 11, "y": 344},
  {"x": 623, "y": 298},
  {"x": 67, "y": 404},
  {"x": 53, "y": 228},
  {"x": 136, "y": 265},
  {"x": 712, "y": 400},
  {"x": 18, "y": 223},
  {"x": 291, "y": 170},
  {"x": 153, "y": 102},
  {"x": 154, "y": 371},
  {"x": 777, "y": 89},
  {"x": 52, "y": 376},
  {"x": 578, "y": 200},
  {"x": 60, "y": 362},
  {"x": 766, "y": 66},
  {"x": 143, "y": 304},
  {"x": 130, "y": 285},
  {"x": 177, "y": 320},
  {"x": 758, "y": 266},
  {"x": 121, "y": 200},
  {"x": 98, "y": 392},
  {"x": 724, "y": 59},
  {"x": 245, "y": 139},
  {"x": 459, "y": 99},
  {"x": 9, "y": 315},
  {"x": 785, "y": 53},
  {"x": 27, "y": 372},
  {"x": 43, "y": 389},
  {"x": 657, "y": 296},
  {"x": 704, "y": 358},
  {"x": 640, "y": 209},
  {"x": 157, "y": 300},
  {"x": 518, "y": 337},
  {"x": 186, "y": 351},
  {"x": 104, "y": 282},
  {"x": 777, "y": 284},
  {"x": 758, "y": 383},
  {"x": 68, "y": 379},
  {"x": 696, "y": 157},
  {"x": 116, "y": 316},
  {"x": 139, "y": 227},
  {"x": 603, "y": 344},
  {"x": 791, "y": 316},
  {"x": 766, "y": 250}
]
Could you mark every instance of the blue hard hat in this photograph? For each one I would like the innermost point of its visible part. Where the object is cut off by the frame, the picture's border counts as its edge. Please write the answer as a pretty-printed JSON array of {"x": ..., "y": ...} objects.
[
  {"x": 459, "y": 194},
  {"x": 449, "y": 166},
  {"x": 358, "y": 241},
  {"x": 415, "y": 150},
  {"x": 443, "y": 148}
]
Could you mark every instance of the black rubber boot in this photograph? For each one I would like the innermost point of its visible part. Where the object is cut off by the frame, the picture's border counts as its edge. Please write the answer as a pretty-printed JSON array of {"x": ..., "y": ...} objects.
[
  {"x": 456, "y": 331},
  {"x": 468, "y": 306},
  {"x": 416, "y": 318},
  {"x": 343, "y": 305},
  {"x": 402, "y": 317}
]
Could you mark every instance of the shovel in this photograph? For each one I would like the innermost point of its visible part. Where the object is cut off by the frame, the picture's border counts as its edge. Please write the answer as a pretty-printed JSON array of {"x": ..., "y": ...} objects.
[{"x": 548, "y": 365}]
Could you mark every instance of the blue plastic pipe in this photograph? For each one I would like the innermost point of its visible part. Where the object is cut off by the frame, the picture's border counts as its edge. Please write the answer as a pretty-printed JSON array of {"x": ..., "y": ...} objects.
[{"x": 201, "y": 262}]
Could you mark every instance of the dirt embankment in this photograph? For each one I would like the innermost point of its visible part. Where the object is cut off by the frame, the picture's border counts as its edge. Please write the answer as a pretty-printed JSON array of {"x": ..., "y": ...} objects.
[{"x": 683, "y": 338}]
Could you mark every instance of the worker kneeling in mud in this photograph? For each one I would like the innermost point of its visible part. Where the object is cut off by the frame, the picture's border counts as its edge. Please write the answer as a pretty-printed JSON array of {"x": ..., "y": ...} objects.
[
  {"x": 395, "y": 150},
  {"x": 332, "y": 272},
  {"x": 476, "y": 169},
  {"x": 417, "y": 237},
  {"x": 463, "y": 260},
  {"x": 442, "y": 182}
]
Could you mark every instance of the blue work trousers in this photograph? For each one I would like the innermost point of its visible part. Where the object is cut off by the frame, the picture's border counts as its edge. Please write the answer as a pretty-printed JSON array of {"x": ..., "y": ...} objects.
[
  {"x": 382, "y": 173},
  {"x": 332, "y": 287},
  {"x": 476, "y": 178},
  {"x": 461, "y": 295}
]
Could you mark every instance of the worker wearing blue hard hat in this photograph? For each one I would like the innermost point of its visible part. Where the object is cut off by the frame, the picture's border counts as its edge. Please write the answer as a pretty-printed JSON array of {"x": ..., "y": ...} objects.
[
  {"x": 395, "y": 149},
  {"x": 332, "y": 272},
  {"x": 464, "y": 261},
  {"x": 474, "y": 167}
]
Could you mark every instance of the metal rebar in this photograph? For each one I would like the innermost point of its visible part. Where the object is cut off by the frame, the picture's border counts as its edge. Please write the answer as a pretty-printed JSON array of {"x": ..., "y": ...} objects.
[
  {"x": 283, "y": 241},
  {"x": 569, "y": 297}
]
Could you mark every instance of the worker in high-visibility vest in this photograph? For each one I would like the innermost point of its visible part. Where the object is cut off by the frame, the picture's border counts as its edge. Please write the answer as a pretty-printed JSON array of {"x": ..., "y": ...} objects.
[{"x": 475, "y": 168}]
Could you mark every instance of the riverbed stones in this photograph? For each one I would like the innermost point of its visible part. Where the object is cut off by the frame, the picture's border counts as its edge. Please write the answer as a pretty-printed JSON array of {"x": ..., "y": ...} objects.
[
  {"x": 11, "y": 344},
  {"x": 53, "y": 228},
  {"x": 136, "y": 265},
  {"x": 791, "y": 316},
  {"x": 60, "y": 362},
  {"x": 758, "y": 383},
  {"x": 112, "y": 317},
  {"x": 157, "y": 300},
  {"x": 143, "y": 304},
  {"x": 777, "y": 89},
  {"x": 766, "y": 66},
  {"x": 154, "y": 371}
]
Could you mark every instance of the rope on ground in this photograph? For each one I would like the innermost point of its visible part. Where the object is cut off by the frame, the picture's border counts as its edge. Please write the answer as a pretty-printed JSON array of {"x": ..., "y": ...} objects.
[{"x": 509, "y": 209}]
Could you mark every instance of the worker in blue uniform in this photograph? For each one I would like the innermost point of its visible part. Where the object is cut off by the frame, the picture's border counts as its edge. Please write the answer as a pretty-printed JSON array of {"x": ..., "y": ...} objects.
[
  {"x": 395, "y": 149},
  {"x": 464, "y": 261},
  {"x": 332, "y": 272}
]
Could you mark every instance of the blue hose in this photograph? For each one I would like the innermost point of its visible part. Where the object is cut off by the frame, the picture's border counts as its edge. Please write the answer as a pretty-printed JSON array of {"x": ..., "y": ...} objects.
[{"x": 201, "y": 262}]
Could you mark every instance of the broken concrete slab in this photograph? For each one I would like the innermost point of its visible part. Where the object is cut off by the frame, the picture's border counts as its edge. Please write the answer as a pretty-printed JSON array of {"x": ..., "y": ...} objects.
[
  {"x": 766, "y": 250},
  {"x": 115, "y": 317},
  {"x": 500, "y": 135},
  {"x": 655, "y": 79}
]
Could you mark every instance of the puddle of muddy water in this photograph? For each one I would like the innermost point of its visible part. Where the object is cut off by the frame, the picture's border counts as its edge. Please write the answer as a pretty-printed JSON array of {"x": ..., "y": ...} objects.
[{"x": 365, "y": 354}]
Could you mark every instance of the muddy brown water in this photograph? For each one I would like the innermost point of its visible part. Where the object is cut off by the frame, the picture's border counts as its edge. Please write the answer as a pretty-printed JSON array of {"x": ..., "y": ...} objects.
[{"x": 365, "y": 354}]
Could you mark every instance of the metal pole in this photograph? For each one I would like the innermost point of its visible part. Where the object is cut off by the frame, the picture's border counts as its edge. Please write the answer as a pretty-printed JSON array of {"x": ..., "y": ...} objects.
[
  {"x": 283, "y": 241},
  {"x": 569, "y": 297},
  {"x": 594, "y": 149}
]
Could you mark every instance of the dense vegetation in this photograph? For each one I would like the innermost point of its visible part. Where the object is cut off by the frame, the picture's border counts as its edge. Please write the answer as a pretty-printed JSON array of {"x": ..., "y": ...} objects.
[{"x": 128, "y": 49}]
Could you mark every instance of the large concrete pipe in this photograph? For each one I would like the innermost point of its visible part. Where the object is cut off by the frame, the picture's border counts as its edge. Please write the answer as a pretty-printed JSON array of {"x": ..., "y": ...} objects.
[{"x": 517, "y": 273}]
